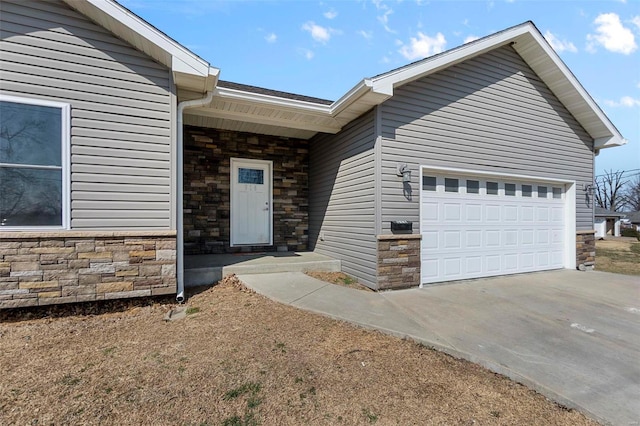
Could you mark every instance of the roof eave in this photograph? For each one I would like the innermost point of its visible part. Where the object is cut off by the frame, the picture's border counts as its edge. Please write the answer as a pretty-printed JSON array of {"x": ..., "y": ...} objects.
[{"x": 187, "y": 68}]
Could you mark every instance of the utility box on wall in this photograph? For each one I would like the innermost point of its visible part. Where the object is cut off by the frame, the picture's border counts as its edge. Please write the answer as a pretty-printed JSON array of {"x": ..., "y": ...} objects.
[{"x": 401, "y": 226}]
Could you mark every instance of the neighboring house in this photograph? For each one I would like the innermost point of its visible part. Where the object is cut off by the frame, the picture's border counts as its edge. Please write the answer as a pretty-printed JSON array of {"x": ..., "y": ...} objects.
[
  {"x": 467, "y": 164},
  {"x": 607, "y": 222},
  {"x": 634, "y": 220}
]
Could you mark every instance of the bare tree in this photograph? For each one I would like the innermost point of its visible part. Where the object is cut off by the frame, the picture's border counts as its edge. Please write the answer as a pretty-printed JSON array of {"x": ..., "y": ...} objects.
[
  {"x": 609, "y": 190},
  {"x": 632, "y": 194}
]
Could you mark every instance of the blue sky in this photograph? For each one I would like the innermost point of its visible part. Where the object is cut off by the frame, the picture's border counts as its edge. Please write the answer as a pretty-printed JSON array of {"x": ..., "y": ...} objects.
[{"x": 323, "y": 48}]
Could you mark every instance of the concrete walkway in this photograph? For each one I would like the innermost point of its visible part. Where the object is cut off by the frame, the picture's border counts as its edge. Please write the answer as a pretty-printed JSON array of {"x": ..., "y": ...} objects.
[{"x": 573, "y": 336}]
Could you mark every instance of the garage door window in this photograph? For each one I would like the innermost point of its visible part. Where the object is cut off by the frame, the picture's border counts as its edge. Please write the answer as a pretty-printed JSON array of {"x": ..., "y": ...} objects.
[
  {"x": 510, "y": 189},
  {"x": 492, "y": 188},
  {"x": 526, "y": 190},
  {"x": 450, "y": 185},
  {"x": 542, "y": 192},
  {"x": 473, "y": 186},
  {"x": 428, "y": 183},
  {"x": 557, "y": 193}
]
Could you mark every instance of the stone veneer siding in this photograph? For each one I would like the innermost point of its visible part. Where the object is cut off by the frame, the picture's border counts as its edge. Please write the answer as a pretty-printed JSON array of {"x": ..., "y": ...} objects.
[
  {"x": 398, "y": 261},
  {"x": 585, "y": 248},
  {"x": 75, "y": 266},
  {"x": 207, "y": 188}
]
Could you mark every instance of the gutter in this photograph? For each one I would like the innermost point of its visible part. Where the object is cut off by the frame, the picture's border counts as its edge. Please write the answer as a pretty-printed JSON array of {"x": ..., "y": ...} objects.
[{"x": 182, "y": 106}]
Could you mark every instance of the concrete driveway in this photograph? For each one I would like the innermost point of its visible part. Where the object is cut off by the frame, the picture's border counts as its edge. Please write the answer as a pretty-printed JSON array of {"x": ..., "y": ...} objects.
[{"x": 573, "y": 336}]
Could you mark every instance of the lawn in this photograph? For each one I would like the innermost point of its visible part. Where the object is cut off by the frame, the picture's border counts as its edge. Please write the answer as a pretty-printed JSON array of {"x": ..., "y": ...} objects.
[
  {"x": 619, "y": 255},
  {"x": 240, "y": 359}
]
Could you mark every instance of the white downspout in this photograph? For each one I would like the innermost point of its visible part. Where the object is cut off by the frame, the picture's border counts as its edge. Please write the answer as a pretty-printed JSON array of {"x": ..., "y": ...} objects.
[{"x": 180, "y": 171}]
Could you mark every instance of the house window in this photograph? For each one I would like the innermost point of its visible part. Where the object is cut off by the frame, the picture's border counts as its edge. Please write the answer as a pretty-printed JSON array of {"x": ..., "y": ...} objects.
[
  {"x": 557, "y": 192},
  {"x": 450, "y": 185},
  {"x": 510, "y": 189},
  {"x": 542, "y": 192},
  {"x": 527, "y": 190},
  {"x": 492, "y": 188},
  {"x": 473, "y": 186},
  {"x": 428, "y": 183},
  {"x": 34, "y": 136}
]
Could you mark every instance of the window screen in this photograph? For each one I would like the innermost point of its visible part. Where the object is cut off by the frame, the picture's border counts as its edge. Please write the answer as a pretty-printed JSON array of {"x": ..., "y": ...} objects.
[{"x": 31, "y": 164}]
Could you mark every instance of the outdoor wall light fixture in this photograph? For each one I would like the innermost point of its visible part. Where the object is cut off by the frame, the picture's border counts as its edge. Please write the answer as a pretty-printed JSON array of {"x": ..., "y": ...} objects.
[
  {"x": 588, "y": 189},
  {"x": 403, "y": 170}
]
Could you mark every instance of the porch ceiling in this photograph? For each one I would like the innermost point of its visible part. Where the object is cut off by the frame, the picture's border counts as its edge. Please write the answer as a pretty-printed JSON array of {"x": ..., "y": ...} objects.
[{"x": 245, "y": 111}]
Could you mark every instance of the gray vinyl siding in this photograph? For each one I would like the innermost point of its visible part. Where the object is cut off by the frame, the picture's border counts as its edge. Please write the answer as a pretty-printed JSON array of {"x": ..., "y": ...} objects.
[
  {"x": 341, "y": 198},
  {"x": 121, "y": 112},
  {"x": 490, "y": 113}
]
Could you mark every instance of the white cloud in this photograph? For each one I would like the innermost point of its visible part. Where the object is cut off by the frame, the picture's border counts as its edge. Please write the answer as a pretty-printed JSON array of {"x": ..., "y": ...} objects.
[
  {"x": 308, "y": 54},
  {"x": 319, "y": 33},
  {"x": 330, "y": 14},
  {"x": 368, "y": 35},
  {"x": 470, "y": 38},
  {"x": 625, "y": 101},
  {"x": 636, "y": 21},
  {"x": 559, "y": 45},
  {"x": 271, "y": 38},
  {"x": 384, "y": 18},
  {"x": 612, "y": 35},
  {"x": 423, "y": 46}
]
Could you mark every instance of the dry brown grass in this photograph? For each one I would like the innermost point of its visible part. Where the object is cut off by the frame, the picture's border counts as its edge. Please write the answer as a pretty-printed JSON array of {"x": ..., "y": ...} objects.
[
  {"x": 618, "y": 255},
  {"x": 242, "y": 359},
  {"x": 339, "y": 278}
]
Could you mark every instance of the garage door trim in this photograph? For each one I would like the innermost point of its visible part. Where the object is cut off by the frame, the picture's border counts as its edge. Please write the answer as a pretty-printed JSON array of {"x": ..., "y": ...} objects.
[{"x": 569, "y": 261}]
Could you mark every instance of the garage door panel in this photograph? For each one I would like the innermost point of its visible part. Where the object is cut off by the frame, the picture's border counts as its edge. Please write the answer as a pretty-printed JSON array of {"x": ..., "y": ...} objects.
[
  {"x": 492, "y": 212},
  {"x": 473, "y": 265},
  {"x": 474, "y": 239},
  {"x": 511, "y": 213},
  {"x": 473, "y": 212},
  {"x": 430, "y": 211},
  {"x": 487, "y": 233},
  {"x": 452, "y": 240},
  {"x": 452, "y": 212}
]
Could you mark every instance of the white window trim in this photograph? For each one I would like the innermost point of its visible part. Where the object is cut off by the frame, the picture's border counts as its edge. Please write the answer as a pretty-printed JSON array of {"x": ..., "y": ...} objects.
[
  {"x": 569, "y": 199},
  {"x": 65, "y": 138}
]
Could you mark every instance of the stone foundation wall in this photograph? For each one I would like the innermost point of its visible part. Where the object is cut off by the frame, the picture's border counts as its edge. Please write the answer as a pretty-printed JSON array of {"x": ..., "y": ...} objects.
[
  {"x": 207, "y": 190},
  {"x": 64, "y": 267},
  {"x": 585, "y": 249},
  {"x": 398, "y": 261}
]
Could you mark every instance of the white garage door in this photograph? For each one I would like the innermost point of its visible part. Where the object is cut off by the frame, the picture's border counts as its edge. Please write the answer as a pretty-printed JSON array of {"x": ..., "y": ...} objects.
[{"x": 478, "y": 227}]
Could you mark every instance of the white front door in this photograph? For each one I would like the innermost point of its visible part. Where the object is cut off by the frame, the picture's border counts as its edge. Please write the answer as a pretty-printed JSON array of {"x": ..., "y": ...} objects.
[{"x": 251, "y": 210}]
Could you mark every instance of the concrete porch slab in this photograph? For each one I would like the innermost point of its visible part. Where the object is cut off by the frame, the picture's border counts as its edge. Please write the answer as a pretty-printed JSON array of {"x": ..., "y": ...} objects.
[{"x": 207, "y": 269}]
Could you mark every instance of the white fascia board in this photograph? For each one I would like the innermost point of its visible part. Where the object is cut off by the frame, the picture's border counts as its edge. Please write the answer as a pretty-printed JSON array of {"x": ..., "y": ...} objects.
[
  {"x": 614, "y": 138},
  {"x": 272, "y": 101},
  {"x": 610, "y": 142},
  {"x": 355, "y": 93},
  {"x": 386, "y": 82},
  {"x": 183, "y": 60}
]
